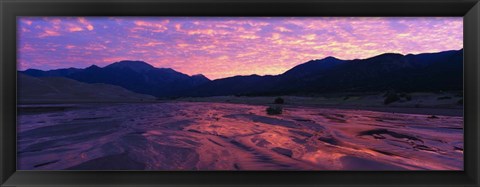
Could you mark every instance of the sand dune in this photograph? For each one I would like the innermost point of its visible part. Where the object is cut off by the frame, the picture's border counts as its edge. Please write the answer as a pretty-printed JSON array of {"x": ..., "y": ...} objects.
[
  {"x": 60, "y": 89},
  {"x": 220, "y": 136}
]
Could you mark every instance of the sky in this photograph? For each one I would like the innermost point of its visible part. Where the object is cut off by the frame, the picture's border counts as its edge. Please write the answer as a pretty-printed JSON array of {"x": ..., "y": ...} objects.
[{"x": 219, "y": 47}]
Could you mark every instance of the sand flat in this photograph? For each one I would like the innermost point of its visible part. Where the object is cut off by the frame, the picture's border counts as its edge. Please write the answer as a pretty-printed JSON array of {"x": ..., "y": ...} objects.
[{"x": 227, "y": 136}]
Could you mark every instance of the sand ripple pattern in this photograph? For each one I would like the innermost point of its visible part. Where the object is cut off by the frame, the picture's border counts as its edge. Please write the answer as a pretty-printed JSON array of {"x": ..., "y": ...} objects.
[{"x": 220, "y": 136}]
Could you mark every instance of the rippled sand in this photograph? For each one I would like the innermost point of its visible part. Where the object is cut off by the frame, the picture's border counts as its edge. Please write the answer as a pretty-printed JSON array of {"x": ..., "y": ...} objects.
[{"x": 220, "y": 136}]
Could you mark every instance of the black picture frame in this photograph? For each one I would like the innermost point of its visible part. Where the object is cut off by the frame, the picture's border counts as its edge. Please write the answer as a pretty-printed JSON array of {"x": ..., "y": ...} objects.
[{"x": 468, "y": 9}]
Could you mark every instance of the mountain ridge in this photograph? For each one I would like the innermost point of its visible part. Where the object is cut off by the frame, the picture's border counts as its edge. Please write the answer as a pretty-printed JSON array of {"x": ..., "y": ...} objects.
[
  {"x": 137, "y": 76},
  {"x": 410, "y": 72},
  {"x": 388, "y": 71}
]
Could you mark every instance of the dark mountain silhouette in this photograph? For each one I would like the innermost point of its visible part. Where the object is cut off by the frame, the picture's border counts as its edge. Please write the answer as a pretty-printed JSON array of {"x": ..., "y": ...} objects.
[
  {"x": 264, "y": 85},
  {"x": 389, "y": 71},
  {"x": 422, "y": 72},
  {"x": 237, "y": 85},
  {"x": 136, "y": 76},
  {"x": 312, "y": 68},
  {"x": 137, "y": 66}
]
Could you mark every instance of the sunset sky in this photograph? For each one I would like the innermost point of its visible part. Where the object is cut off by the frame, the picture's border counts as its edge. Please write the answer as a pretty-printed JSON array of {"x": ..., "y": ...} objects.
[{"x": 220, "y": 47}]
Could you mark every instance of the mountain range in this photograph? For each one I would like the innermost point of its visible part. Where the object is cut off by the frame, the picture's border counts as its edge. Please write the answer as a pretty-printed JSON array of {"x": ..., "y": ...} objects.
[
  {"x": 389, "y": 71},
  {"x": 136, "y": 76}
]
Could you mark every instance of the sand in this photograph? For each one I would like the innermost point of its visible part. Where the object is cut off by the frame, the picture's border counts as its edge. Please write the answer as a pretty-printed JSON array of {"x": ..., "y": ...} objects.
[{"x": 180, "y": 135}]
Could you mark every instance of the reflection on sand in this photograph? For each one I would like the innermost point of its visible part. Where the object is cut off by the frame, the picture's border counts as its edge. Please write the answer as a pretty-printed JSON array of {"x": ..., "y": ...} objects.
[{"x": 220, "y": 136}]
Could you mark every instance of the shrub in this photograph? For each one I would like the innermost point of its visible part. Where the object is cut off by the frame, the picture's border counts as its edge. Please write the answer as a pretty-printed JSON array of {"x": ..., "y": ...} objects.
[
  {"x": 405, "y": 95},
  {"x": 433, "y": 117},
  {"x": 390, "y": 97},
  {"x": 279, "y": 100},
  {"x": 443, "y": 98},
  {"x": 408, "y": 97},
  {"x": 460, "y": 102},
  {"x": 274, "y": 110}
]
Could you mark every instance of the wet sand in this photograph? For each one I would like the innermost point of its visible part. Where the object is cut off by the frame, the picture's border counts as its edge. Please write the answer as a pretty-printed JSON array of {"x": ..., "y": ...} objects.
[{"x": 225, "y": 136}]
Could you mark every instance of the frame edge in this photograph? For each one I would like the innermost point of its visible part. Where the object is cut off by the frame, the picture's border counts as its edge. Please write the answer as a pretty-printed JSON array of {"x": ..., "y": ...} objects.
[
  {"x": 471, "y": 53},
  {"x": 7, "y": 97},
  {"x": 471, "y": 91}
]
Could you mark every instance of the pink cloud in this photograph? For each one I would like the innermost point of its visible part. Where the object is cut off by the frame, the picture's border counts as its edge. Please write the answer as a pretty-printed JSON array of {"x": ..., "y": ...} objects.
[
  {"x": 28, "y": 22},
  {"x": 86, "y": 23},
  {"x": 249, "y": 36},
  {"x": 149, "y": 44},
  {"x": 75, "y": 29},
  {"x": 282, "y": 29},
  {"x": 178, "y": 27},
  {"x": 275, "y": 36},
  {"x": 151, "y": 26},
  {"x": 89, "y": 27},
  {"x": 310, "y": 36},
  {"x": 69, "y": 46},
  {"x": 27, "y": 48},
  {"x": 204, "y": 32},
  {"x": 221, "y": 47},
  {"x": 48, "y": 33},
  {"x": 183, "y": 45},
  {"x": 95, "y": 47},
  {"x": 53, "y": 21}
]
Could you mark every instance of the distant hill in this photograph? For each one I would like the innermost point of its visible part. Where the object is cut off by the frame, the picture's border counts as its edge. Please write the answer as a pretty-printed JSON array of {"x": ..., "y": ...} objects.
[
  {"x": 54, "y": 89},
  {"x": 440, "y": 71},
  {"x": 136, "y": 76}
]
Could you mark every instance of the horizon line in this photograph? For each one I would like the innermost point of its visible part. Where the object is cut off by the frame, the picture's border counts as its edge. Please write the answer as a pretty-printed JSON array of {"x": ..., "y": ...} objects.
[{"x": 18, "y": 70}]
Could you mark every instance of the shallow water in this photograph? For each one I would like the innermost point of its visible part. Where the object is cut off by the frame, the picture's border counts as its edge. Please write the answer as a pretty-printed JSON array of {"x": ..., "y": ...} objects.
[{"x": 220, "y": 136}]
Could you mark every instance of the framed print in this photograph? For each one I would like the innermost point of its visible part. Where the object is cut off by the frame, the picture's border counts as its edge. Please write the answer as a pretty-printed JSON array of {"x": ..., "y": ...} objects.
[{"x": 240, "y": 93}]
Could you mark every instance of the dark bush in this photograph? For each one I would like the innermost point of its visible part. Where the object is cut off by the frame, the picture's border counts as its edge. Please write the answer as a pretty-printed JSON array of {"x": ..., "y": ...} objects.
[
  {"x": 390, "y": 97},
  {"x": 274, "y": 110},
  {"x": 405, "y": 95},
  {"x": 443, "y": 98},
  {"x": 460, "y": 102},
  {"x": 433, "y": 117},
  {"x": 408, "y": 97},
  {"x": 279, "y": 100}
]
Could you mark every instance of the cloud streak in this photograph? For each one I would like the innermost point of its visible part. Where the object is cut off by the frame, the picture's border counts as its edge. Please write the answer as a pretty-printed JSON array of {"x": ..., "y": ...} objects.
[{"x": 220, "y": 47}]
